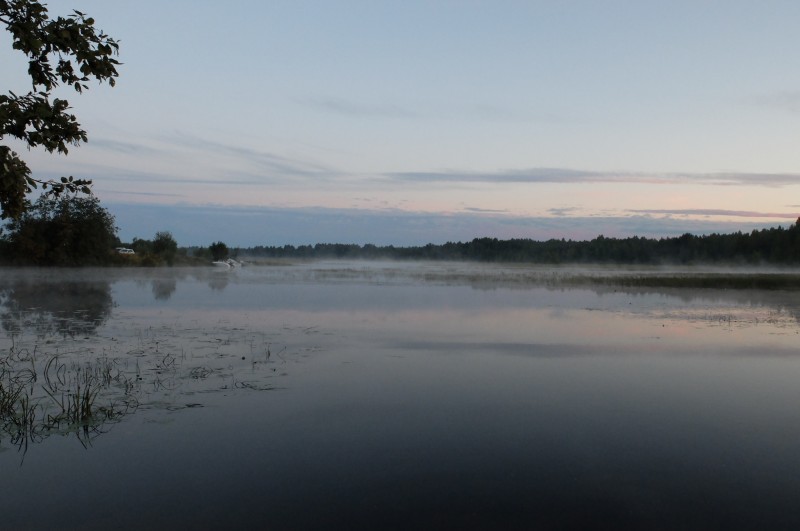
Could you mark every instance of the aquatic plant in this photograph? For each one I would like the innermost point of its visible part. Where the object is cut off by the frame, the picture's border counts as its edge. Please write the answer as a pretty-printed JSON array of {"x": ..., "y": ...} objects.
[
  {"x": 52, "y": 383},
  {"x": 70, "y": 401}
]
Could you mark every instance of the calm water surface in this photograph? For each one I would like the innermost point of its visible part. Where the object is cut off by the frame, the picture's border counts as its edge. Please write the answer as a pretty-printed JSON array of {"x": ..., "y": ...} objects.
[{"x": 384, "y": 395}]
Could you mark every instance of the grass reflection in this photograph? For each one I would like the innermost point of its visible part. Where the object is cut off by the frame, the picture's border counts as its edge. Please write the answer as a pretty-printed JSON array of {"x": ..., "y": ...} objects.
[
  {"x": 43, "y": 395},
  {"x": 81, "y": 386}
]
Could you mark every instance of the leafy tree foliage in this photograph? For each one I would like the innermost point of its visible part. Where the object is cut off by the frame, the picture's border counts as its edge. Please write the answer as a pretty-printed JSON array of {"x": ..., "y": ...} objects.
[
  {"x": 64, "y": 50},
  {"x": 165, "y": 246},
  {"x": 160, "y": 250},
  {"x": 64, "y": 231},
  {"x": 219, "y": 251}
]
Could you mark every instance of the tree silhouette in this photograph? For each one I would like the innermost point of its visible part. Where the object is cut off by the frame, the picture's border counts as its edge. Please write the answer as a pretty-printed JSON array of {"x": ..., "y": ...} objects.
[
  {"x": 219, "y": 251},
  {"x": 61, "y": 51}
]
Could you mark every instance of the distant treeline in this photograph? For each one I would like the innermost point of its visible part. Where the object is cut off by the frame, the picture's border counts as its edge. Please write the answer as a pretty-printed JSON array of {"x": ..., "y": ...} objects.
[{"x": 768, "y": 246}]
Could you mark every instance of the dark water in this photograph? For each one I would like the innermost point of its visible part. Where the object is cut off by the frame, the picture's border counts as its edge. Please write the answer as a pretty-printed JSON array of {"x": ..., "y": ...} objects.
[{"x": 390, "y": 396}]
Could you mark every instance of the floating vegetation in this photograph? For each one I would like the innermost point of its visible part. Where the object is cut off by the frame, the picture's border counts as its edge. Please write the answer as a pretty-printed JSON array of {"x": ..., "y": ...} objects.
[
  {"x": 52, "y": 396},
  {"x": 57, "y": 384},
  {"x": 494, "y": 275},
  {"x": 701, "y": 280},
  {"x": 637, "y": 278}
]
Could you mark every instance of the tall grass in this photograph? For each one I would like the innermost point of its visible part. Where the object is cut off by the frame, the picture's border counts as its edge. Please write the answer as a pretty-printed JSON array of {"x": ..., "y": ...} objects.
[{"x": 70, "y": 401}]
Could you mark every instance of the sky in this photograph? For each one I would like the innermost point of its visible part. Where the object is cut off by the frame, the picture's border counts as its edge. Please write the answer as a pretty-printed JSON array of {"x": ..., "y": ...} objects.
[{"x": 404, "y": 123}]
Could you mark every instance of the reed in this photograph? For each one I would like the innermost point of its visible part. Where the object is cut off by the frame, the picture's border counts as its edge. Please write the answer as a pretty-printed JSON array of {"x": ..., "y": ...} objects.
[
  {"x": 42, "y": 397},
  {"x": 9, "y": 396},
  {"x": 56, "y": 385}
]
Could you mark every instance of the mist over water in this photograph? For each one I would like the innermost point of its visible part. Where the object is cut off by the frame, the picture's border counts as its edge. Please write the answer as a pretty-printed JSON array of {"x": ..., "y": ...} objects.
[{"x": 386, "y": 395}]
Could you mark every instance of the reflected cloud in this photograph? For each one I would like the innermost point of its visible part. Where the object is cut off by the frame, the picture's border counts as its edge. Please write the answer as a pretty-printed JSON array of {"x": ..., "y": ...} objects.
[
  {"x": 204, "y": 348},
  {"x": 68, "y": 368}
]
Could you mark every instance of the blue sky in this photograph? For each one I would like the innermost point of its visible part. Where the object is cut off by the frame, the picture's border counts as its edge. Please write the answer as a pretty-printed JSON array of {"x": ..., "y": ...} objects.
[{"x": 413, "y": 122}]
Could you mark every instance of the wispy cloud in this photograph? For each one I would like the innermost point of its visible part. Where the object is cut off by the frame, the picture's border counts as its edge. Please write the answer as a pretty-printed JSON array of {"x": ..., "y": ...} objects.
[
  {"x": 485, "y": 210},
  {"x": 101, "y": 174},
  {"x": 785, "y": 100},
  {"x": 719, "y": 212},
  {"x": 512, "y": 176},
  {"x": 563, "y": 211},
  {"x": 357, "y": 109},
  {"x": 261, "y": 159},
  {"x": 246, "y": 226},
  {"x": 484, "y": 112},
  {"x": 128, "y": 148},
  {"x": 498, "y": 113},
  {"x": 144, "y": 194},
  {"x": 569, "y": 176},
  {"x": 751, "y": 179}
]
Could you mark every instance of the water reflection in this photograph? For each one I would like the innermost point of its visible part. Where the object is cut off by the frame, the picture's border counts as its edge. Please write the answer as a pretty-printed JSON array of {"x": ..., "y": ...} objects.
[
  {"x": 219, "y": 280},
  {"x": 84, "y": 386},
  {"x": 68, "y": 368},
  {"x": 67, "y": 308},
  {"x": 163, "y": 288},
  {"x": 163, "y": 283},
  {"x": 639, "y": 290},
  {"x": 161, "y": 359},
  {"x": 313, "y": 399},
  {"x": 45, "y": 395}
]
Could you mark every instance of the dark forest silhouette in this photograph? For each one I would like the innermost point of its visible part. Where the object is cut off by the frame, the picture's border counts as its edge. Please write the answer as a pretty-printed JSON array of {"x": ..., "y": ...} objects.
[{"x": 777, "y": 245}]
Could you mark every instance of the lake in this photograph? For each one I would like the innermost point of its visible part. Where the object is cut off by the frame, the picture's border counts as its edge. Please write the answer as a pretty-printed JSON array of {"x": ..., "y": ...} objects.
[{"x": 387, "y": 395}]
